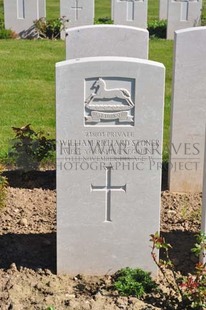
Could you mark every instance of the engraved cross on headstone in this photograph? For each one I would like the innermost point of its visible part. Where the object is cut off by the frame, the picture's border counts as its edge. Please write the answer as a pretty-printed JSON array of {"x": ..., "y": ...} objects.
[
  {"x": 185, "y": 8},
  {"x": 20, "y": 9},
  {"x": 77, "y": 8},
  {"x": 108, "y": 189},
  {"x": 131, "y": 8}
]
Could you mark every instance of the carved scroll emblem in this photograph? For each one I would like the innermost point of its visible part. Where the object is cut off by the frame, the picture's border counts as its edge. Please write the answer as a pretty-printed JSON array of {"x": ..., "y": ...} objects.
[{"x": 108, "y": 103}]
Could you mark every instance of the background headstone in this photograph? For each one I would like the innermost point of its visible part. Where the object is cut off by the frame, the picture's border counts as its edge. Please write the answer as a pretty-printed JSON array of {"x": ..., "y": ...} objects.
[
  {"x": 203, "y": 225},
  {"x": 109, "y": 133},
  {"x": 107, "y": 40},
  {"x": 182, "y": 14},
  {"x": 77, "y": 12},
  {"x": 112, "y": 9},
  {"x": 19, "y": 15},
  {"x": 163, "y": 7},
  {"x": 130, "y": 13},
  {"x": 188, "y": 113}
]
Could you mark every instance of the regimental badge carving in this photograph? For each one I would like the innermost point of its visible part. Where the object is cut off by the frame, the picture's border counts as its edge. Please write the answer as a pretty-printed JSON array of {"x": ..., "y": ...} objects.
[{"x": 106, "y": 105}]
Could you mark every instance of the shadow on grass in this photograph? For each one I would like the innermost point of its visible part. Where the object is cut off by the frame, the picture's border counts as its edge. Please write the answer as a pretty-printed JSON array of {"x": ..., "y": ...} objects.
[{"x": 28, "y": 250}]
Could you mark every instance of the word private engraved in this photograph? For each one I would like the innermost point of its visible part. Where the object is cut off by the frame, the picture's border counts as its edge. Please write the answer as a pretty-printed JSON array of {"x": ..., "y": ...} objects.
[{"x": 110, "y": 103}]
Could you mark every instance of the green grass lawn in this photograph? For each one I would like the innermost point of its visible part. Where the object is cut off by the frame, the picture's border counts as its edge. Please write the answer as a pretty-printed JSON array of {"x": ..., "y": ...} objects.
[
  {"x": 27, "y": 76},
  {"x": 27, "y": 85},
  {"x": 162, "y": 51},
  {"x": 102, "y": 8},
  {"x": 153, "y": 10}
]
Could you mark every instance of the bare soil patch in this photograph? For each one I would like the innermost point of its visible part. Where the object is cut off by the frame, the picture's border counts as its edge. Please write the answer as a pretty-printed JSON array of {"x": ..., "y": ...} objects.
[{"x": 28, "y": 250}]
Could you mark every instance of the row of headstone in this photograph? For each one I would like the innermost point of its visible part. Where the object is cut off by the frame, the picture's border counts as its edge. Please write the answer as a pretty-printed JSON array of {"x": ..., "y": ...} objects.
[
  {"x": 109, "y": 133},
  {"x": 20, "y": 14},
  {"x": 180, "y": 14},
  {"x": 123, "y": 12}
]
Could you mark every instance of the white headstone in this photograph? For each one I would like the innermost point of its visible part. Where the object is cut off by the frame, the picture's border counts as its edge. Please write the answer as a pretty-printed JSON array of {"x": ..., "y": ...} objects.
[
  {"x": 203, "y": 224},
  {"x": 188, "y": 110},
  {"x": 130, "y": 13},
  {"x": 77, "y": 12},
  {"x": 19, "y": 15},
  {"x": 107, "y": 40},
  {"x": 182, "y": 14},
  {"x": 112, "y": 9},
  {"x": 163, "y": 8},
  {"x": 109, "y": 133}
]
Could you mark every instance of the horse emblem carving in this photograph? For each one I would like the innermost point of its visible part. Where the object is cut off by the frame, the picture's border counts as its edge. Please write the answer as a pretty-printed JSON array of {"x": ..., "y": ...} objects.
[{"x": 103, "y": 94}]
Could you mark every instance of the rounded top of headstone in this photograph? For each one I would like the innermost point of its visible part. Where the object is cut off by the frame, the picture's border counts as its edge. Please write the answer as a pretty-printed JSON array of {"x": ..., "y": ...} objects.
[
  {"x": 191, "y": 29},
  {"x": 103, "y": 26}
]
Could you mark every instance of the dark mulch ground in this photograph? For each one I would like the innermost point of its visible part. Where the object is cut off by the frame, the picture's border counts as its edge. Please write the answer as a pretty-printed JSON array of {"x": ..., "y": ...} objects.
[{"x": 28, "y": 249}]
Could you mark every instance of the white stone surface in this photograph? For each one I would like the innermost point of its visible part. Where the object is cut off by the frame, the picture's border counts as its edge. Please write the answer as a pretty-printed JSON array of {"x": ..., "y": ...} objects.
[
  {"x": 109, "y": 114},
  {"x": 130, "y": 13},
  {"x": 107, "y": 40},
  {"x": 19, "y": 15},
  {"x": 188, "y": 113},
  {"x": 182, "y": 14},
  {"x": 163, "y": 8},
  {"x": 77, "y": 12},
  {"x": 112, "y": 9},
  {"x": 203, "y": 224}
]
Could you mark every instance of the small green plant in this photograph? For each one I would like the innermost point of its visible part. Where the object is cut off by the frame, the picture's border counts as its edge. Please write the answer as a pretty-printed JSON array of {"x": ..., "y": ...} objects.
[
  {"x": 5, "y": 33},
  {"x": 157, "y": 29},
  {"x": 188, "y": 215},
  {"x": 103, "y": 20},
  {"x": 3, "y": 188},
  {"x": 190, "y": 290},
  {"x": 50, "y": 28},
  {"x": 200, "y": 245},
  {"x": 50, "y": 308},
  {"x": 133, "y": 282},
  {"x": 194, "y": 287},
  {"x": 29, "y": 148}
]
